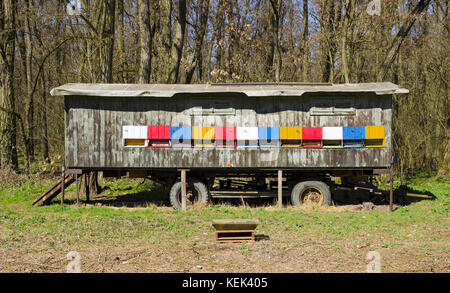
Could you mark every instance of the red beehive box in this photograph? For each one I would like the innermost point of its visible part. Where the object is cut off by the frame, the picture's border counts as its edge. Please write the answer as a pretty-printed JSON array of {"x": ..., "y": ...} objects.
[
  {"x": 312, "y": 137},
  {"x": 158, "y": 135},
  {"x": 225, "y": 136}
]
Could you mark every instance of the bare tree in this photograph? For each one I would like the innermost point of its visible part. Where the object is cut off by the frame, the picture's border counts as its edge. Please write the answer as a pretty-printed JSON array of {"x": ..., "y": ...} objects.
[
  {"x": 305, "y": 51},
  {"x": 400, "y": 37},
  {"x": 7, "y": 115},
  {"x": 274, "y": 24},
  {"x": 145, "y": 40},
  {"x": 200, "y": 29},
  {"x": 178, "y": 42}
]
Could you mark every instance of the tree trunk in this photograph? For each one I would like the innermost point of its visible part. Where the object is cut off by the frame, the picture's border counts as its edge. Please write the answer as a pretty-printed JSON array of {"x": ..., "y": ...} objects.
[
  {"x": 121, "y": 43},
  {"x": 203, "y": 7},
  {"x": 305, "y": 55},
  {"x": 178, "y": 42},
  {"x": 218, "y": 35},
  {"x": 7, "y": 116},
  {"x": 325, "y": 16},
  {"x": 348, "y": 13},
  {"x": 145, "y": 41},
  {"x": 271, "y": 48},
  {"x": 274, "y": 20},
  {"x": 45, "y": 148},
  {"x": 107, "y": 39},
  {"x": 29, "y": 144}
]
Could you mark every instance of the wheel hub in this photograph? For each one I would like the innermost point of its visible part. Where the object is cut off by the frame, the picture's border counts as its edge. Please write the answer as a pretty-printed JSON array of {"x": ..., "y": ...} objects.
[
  {"x": 191, "y": 195},
  {"x": 312, "y": 195}
]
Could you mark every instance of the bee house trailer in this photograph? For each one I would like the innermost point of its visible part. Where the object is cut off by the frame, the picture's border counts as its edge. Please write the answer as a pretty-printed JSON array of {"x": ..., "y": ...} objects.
[{"x": 232, "y": 139}]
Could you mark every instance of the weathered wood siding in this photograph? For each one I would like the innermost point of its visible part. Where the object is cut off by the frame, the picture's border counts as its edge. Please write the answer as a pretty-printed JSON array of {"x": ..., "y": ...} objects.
[{"x": 94, "y": 131}]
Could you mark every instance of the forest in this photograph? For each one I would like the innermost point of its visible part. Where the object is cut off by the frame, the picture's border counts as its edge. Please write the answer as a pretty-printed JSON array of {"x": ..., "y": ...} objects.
[{"x": 45, "y": 44}]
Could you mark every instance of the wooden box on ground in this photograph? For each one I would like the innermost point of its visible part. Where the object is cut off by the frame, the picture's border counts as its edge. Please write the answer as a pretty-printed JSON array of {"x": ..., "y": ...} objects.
[{"x": 235, "y": 230}]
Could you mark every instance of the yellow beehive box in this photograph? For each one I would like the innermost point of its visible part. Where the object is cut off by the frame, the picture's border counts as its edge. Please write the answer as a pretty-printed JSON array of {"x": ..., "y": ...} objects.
[
  {"x": 290, "y": 132},
  {"x": 290, "y": 136},
  {"x": 203, "y": 132},
  {"x": 374, "y": 136},
  {"x": 203, "y": 136}
]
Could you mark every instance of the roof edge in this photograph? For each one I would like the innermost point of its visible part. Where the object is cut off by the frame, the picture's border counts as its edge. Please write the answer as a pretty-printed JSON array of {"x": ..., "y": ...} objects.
[{"x": 169, "y": 90}]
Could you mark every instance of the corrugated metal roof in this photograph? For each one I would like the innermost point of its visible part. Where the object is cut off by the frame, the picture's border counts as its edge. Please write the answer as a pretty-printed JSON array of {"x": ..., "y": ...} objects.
[{"x": 251, "y": 90}]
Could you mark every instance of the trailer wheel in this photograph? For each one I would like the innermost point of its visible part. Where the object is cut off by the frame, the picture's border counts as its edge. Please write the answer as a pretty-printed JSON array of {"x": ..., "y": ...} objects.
[
  {"x": 312, "y": 192},
  {"x": 196, "y": 192}
]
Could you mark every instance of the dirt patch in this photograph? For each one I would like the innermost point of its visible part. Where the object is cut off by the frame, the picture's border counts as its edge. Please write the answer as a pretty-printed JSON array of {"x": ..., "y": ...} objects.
[{"x": 201, "y": 254}]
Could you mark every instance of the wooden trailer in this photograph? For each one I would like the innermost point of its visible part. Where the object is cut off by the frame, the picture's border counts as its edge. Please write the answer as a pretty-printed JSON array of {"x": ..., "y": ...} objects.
[{"x": 234, "y": 139}]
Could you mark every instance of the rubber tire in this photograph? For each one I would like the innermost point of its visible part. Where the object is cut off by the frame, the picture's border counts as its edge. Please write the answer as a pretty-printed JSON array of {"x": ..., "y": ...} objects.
[
  {"x": 200, "y": 187},
  {"x": 299, "y": 187}
]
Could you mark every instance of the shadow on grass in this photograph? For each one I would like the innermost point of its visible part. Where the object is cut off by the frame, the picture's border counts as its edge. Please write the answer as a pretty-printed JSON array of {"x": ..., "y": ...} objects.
[
  {"x": 261, "y": 237},
  {"x": 157, "y": 196},
  {"x": 403, "y": 195}
]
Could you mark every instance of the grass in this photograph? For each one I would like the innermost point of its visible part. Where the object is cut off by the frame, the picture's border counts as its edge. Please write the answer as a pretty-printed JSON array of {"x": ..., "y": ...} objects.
[{"x": 421, "y": 227}]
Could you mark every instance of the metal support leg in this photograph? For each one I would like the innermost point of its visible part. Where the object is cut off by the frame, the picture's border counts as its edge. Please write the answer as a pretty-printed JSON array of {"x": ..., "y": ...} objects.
[{"x": 280, "y": 189}]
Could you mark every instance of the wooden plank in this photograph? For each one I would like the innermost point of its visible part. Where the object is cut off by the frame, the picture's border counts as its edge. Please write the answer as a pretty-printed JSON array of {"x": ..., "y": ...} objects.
[
  {"x": 183, "y": 190},
  {"x": 62, "y": 184},
  {"x": 280, "y": 189},
  {"x": 78, "y": 195}
]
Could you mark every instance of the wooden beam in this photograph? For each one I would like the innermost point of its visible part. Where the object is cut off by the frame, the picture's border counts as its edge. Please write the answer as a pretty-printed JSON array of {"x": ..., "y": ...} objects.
[
  {"x": 280, "y": 189},
  {"x": 391, "y": 187},
  {"x": 74, "y": 171},
  {"x": 63, "y": 175},
  {"x": 78, "y": 194},
  {"x": 86, "y": 185},
  {"x": 183, "y": 189}
]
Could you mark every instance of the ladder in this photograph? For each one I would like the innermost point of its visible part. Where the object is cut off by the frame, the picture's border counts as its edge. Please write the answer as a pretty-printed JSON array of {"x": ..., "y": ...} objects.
[{"x": 53, "y": 191}]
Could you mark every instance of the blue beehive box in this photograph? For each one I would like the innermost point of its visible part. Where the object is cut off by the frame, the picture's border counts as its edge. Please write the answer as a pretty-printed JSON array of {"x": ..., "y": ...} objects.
[
  {"x": 353, "y": 136},
  {"x": 180, "y": 136},
  {"x": 269, "y": 137}
]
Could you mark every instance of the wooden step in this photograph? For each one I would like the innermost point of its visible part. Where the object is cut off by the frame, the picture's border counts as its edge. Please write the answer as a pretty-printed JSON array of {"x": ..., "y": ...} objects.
[
  {"x": 235, "y": 230},
  {"x": 53, "y": 191}
]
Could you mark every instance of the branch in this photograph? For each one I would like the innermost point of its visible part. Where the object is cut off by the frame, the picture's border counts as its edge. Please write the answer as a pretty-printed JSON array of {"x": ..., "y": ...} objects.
[
  {"x": 45, "y": 59},
  {"x": 400, "y": 37}
]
